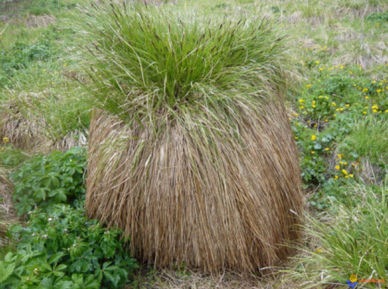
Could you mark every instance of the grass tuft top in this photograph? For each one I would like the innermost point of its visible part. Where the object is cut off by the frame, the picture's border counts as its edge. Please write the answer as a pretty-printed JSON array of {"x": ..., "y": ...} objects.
[{"x": 152, "y": 61}]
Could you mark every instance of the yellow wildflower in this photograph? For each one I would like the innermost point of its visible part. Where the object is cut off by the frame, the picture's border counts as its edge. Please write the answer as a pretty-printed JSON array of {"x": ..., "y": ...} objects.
[
  {"x": 336, "y": 177},
  {"x": 317, "y": 62},
  {"x": 344, "y": 172},
  {"x": 294, "y": 114},
  {"x": 365, "y": 90},
  {"x": 333, "y": 104},
  {"x": 308, "y": 85},
  {"x": 312, "y": 152},
  {"x": 353, "y": 278},
  {"x": 5, "y": 139},
  {"x": 326, "y": 149},
  {"x": 351, "y": 175},
  {"x": 374, "y": 81},
  {"x": 347, "y": 105},
  {"x": 364, "y": 112},
  {"x": 337, "y": 167},
  {"x": 378, "y": 90},
  {"x": 339, "y": 156},
  {"x": 313, "y": 137}
]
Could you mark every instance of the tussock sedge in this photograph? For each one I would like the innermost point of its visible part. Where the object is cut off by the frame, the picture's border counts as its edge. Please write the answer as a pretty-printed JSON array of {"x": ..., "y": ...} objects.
[{"x": 190, "y": 149}]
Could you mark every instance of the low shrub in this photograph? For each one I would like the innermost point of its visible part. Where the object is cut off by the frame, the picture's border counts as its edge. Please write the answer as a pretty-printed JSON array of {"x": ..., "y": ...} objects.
[
  {"x": 49, "y": 179},
  {"x": 60, "y": 248}
]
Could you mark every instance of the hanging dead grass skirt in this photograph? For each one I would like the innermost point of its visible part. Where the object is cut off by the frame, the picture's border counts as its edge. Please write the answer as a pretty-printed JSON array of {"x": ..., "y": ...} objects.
[{"x": 220, "y": 205}]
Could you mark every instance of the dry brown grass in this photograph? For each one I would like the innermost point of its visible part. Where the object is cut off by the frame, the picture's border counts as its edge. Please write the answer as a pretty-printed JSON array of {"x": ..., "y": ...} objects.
[
  {"x": 26, "y": 127},
  {"x": 371, "y": 173},
  {"x": 219, "y": 205},
  {"x": 194, "y": 280},
  {"x": 36, "y": 21},
  {"x": 7, "y": 213},
  {"x": 23, "y": 129},
  {"x": 73, "y": 139}
]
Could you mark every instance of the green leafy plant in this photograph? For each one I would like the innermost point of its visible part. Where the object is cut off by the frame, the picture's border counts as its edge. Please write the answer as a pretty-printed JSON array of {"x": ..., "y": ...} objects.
[
  {"x": 60, "y": 248},
  {"x": 48, "y": 179}
]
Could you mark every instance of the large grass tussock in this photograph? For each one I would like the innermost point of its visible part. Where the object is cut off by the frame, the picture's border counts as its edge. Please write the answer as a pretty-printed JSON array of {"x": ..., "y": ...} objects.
[{"x": 191, "y": 151}]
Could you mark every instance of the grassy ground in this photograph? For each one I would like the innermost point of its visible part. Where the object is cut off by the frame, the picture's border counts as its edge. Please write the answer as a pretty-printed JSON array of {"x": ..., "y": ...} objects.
[{"x": 338, "y": 111}]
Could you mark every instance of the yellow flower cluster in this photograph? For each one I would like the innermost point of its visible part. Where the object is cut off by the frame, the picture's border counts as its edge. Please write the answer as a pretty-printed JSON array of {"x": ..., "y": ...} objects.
[
  {"x": 5, "y": 139},
  {"x": 342, "y": 167},
  {"x": 338, "y": 66}
]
